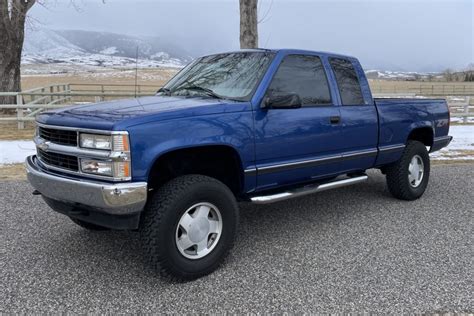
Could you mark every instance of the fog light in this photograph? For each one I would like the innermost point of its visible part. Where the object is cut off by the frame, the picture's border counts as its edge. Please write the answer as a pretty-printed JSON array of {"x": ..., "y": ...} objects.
[
  {"x": 97, "y": 167},
  {"x": 116, "y": 169}
]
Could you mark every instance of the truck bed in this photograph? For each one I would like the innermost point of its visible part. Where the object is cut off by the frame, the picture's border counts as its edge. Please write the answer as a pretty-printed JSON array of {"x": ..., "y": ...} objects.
[{"x": 399, "y": 116}]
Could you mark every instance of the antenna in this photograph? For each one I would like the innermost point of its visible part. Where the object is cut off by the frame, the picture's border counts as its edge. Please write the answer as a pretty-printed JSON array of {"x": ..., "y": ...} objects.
[{"x": 136, "y": 73}]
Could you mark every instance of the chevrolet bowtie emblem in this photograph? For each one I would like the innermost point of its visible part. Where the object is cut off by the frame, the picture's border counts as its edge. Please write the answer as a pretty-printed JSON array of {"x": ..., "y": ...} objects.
[{"x": 43, "y": 146}]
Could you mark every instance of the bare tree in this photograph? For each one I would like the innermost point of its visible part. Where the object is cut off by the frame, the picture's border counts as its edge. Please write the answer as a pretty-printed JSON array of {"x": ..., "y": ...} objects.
[
  {"x": 12, "y": 30},
  {"x": 448, "y": 75},
  {"x": 248, "y": 24}
]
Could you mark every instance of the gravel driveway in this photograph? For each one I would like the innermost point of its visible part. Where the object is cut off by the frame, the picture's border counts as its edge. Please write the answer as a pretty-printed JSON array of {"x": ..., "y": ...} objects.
[{"x": 352, "y": 249}]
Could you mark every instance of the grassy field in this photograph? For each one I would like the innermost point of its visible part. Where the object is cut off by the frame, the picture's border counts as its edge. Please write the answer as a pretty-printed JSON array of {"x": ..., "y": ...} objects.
[
  {"x": 392, "y": 86},
  {"x": 156, "y": 77},
  {"x": 9, "y": 131}
]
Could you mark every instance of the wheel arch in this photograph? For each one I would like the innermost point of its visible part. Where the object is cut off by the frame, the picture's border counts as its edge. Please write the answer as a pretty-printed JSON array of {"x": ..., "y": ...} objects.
[
  {"x": 423, "y": 134},
  {"x": 220, "y": 161}
]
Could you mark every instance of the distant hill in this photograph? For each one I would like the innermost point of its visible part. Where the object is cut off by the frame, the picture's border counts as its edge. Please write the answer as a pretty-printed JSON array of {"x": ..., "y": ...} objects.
[
  {"x": 401, "y": 75},
  {"x": 100, "y": 49}
]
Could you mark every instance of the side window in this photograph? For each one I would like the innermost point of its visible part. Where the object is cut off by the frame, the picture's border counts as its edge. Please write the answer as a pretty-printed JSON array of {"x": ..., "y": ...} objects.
[
  {"x": 347, "y": 81},
  {"x": 304, "y": 76}
]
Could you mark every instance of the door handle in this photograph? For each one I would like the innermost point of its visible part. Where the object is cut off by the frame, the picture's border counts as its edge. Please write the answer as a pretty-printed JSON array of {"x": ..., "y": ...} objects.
[{"x": 335, "y": 119}]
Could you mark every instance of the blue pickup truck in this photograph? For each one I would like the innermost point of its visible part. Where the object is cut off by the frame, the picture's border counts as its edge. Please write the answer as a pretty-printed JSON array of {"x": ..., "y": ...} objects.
[{"x": 256, "y": 125}]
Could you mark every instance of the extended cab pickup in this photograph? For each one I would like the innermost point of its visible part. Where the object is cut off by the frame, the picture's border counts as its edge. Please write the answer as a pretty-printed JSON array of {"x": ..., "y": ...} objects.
[{"x": 257, "y": 125}]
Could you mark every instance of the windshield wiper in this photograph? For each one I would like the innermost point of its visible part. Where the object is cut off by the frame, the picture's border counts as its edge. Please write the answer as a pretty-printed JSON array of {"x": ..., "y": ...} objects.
[{"x": 207, "y": 91}]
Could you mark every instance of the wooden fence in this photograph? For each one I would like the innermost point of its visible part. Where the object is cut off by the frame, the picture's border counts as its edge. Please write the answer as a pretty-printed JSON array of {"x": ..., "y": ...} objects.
[
  {"x": 31, "y": 102},
  {"x": 423, "y": 89}
]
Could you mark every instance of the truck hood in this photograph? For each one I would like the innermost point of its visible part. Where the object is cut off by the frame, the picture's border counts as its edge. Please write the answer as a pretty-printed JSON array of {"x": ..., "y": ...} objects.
[{"x": 120, "y": 113}]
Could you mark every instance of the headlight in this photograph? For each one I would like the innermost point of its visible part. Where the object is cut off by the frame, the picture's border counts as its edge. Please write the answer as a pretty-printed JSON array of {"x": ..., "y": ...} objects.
[
  {"x": 116, "y": 169},
  {"x": 115, "y": 142},
  {"x": 96, "y": 141},
  {"x": 117, "y": 164}
]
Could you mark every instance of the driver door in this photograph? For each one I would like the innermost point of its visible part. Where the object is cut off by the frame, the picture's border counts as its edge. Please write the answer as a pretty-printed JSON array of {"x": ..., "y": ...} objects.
[{"x": 298, "y": 144}]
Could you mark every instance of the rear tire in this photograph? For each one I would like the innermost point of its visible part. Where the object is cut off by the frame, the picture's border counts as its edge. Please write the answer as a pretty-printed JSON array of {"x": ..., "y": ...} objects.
[
  {"x": 87, "y": 225},
  {"x": 408, "y": 178},
  {"x": 175, "y": 229}
]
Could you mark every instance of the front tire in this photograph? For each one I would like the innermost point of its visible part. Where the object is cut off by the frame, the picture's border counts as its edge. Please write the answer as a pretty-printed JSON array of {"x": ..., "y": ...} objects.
[
  {"x": 189, "y": 226},
  {"x": 407, "y": 178}
]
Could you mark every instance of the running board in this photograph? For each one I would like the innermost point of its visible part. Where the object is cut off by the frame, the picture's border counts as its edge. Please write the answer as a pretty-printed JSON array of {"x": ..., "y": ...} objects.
[{"x": 309, "y": 189}]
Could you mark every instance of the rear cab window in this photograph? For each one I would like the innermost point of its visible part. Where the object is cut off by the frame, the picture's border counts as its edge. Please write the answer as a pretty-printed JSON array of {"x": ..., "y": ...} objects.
[
  {"x": 305, "y": 76},
  {"x": 347, "y": 81}
]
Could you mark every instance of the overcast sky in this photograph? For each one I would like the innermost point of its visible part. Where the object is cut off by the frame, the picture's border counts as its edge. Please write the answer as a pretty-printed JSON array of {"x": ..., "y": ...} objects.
[{"x": 419, "y": 35}]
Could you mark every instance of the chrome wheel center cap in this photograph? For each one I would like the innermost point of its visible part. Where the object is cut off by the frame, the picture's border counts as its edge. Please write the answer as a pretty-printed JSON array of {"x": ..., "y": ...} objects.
[
  {"x": 199, "y": 229},
  {"x": 416, "y": 170}
]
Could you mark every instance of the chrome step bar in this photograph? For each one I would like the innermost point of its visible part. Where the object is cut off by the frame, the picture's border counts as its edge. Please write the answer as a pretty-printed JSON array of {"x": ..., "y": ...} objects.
[{"x": 309, "y": 189}]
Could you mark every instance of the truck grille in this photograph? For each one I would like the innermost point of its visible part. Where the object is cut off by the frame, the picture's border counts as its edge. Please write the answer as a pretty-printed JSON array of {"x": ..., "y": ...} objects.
[
  {"x": 58, "y": 160},
  {"x": 58, "y": 136}
]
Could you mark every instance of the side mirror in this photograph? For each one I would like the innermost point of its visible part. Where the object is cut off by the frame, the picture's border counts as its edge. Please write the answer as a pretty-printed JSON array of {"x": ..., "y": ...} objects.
[{"x": 283, "y": 101}]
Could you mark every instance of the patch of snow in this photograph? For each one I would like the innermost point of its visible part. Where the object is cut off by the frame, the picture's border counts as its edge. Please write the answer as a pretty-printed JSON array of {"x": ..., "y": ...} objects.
[
  {"x": 461, "y": 147},
  {"x": 461, "y": 119},
  {"x": 109, "y": 51},
  {"x": 16, "y": 151},
  {"x": 160, "y": 55}
]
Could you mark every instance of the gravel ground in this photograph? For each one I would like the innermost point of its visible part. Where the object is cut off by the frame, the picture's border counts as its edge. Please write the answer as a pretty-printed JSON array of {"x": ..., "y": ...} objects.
[{"x": 352, "y": 249}]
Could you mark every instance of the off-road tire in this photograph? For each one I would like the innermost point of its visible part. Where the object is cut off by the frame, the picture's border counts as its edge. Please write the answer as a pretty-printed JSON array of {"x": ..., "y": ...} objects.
[
  {"x": 87, "y": 225},
  {"x": 161, "y": 217},
  {"x": 397, "y": 173}
]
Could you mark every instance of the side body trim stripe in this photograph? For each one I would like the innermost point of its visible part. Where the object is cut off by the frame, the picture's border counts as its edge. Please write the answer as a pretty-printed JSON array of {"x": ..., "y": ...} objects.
[{"x": 324, "y": 160}]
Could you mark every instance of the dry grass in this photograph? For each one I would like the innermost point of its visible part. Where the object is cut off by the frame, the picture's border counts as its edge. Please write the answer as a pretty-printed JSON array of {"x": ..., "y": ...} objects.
[
  {"x": 12, "y": 172},
  {"x": 374, "y": 83},
  {"x": 457, "y": 154},
  {"x": 390, "y": 86},
  {"x": 459, "y": 123},
  {"x": 9, "y": 131},
  {"x": 452, "y": 162},
  {"x": 155, "y": 77}
]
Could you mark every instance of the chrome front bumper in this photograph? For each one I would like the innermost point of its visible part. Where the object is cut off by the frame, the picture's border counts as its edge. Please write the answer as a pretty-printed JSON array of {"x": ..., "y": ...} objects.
[{"x": 114, "y": 199}]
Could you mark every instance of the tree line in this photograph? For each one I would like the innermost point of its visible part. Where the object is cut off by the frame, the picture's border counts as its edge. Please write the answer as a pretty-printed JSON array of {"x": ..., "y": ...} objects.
[{"x": 459, "y": 76}]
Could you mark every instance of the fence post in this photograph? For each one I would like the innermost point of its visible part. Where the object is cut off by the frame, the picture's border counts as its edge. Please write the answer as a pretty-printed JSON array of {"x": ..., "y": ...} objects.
[
  {"x": 466, "y": 109},
  {"x": 102, "y": 98},
  {"x": 68, "y": 88},
  {"x": 51, "y": 90},
  {"x": 64, "y": 96},
  {"x": 19, "y": 111}
]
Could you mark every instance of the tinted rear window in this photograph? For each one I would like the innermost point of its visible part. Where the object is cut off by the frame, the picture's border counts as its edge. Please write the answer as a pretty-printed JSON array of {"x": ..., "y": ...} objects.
[{"x": 347, "y": 81}]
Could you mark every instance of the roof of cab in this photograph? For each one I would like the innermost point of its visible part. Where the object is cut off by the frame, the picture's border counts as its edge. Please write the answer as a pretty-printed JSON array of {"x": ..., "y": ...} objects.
[{"x": 290, "y": 51}]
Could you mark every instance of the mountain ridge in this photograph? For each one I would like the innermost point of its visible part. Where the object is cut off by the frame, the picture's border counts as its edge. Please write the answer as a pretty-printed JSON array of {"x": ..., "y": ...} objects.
[{"x": 100, "y": 49}]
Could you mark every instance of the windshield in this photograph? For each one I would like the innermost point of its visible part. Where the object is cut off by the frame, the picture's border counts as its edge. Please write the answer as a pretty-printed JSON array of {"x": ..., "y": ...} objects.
[{"x": 232, "y": 76}]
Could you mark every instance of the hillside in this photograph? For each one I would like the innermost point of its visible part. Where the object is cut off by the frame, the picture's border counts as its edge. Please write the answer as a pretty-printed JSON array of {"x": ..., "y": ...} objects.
[{"x": 99, "y": 49}]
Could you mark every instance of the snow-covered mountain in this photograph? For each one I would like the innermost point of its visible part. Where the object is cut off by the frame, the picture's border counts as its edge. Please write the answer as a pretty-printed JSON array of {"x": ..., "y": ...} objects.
[
  {"x": 400, "y": 75},
  {"x": 88, "y": 48}
]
